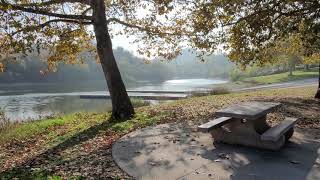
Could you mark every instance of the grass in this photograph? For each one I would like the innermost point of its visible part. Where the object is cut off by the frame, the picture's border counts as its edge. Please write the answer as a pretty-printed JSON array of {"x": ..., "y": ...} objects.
[
  {"x": 86, "y": 132},
  {"x": 18, "y": 140},
  {"x": 4, "y": 121},
  {"x": 54, "y": 129},
  {"x": 282, "y": 77},
  {"x": 59, "y": 129}
]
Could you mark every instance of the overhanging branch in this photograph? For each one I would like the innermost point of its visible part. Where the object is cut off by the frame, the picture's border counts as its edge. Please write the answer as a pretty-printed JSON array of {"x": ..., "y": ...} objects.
[
  {"x": 36, "y": 10},
  {"x": 30, "y": 28},
  {"x": 139, "y": 27},
  {"x": 52, "y": 2}
]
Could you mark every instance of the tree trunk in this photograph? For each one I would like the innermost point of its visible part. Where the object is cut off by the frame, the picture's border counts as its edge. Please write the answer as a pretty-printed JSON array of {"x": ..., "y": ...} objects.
[
  {"x": 317, "y": 96},
  {"x": 290, "y": 69},
  {"x": 121, "y": 104},
  {"x": 306, "y": 67}
]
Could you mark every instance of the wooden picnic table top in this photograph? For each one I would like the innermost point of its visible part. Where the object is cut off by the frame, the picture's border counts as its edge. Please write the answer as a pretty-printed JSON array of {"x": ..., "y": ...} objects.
[{"x": 248, "y": 110}]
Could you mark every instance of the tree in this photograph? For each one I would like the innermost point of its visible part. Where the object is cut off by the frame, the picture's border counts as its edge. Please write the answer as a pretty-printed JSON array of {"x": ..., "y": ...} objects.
[
  {"x": 60, "y": 29},
  {"x": 289, "y": 50},
  {"x": 252, "y": 27}
]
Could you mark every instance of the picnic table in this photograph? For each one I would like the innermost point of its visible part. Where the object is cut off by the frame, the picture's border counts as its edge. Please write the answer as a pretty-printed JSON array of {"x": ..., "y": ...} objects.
[{"x": 245, "y": 124}]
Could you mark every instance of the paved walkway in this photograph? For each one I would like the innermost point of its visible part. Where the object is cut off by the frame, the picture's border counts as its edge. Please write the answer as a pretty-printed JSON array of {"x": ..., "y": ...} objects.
[
  {"x": 290, "y": 84},
  {"x": 177, "y": 151}
]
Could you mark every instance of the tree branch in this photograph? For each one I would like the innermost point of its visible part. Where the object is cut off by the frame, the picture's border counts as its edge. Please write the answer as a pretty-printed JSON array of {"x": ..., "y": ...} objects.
[
  {"x": 44, "y": 12},
  {"x": 139, "y": 27},
  {"x": 51, "y": 2},
  {"x": 30, "y": 28},
  {"x": 125, "y": 24},
  {"x": 86, "y": 11}
]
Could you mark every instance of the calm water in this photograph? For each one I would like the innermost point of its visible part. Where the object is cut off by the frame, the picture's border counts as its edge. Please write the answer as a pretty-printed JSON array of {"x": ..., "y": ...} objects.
[{"x": 25, "y": 102}]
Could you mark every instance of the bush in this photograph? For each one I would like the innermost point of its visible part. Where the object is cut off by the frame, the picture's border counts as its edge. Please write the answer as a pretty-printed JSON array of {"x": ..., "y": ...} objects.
[
  {"x": 214, "y": 91},
  {"x": 235, "y": 75},
  {"x": 136, "y": 102},
  {"x": 4, "y": 121}
]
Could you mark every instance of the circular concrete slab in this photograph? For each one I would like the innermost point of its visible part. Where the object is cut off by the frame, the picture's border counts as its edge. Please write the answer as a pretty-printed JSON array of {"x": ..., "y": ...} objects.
[{"x": 177, "y": 151}]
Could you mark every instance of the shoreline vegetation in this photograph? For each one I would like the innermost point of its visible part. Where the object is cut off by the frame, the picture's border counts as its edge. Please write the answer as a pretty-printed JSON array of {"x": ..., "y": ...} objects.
[
  {"x": 284, "y": 77},
  {"x": 280, "y": 77},
  {"x": 64, "y": 146}
]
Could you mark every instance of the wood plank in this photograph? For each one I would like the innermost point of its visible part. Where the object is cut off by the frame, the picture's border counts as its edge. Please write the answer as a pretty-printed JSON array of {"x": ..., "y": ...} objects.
[
  {"x": 248, "y": 110},
  {"x": 213, "y": 124},
  {"x": 274, "y": 133}
]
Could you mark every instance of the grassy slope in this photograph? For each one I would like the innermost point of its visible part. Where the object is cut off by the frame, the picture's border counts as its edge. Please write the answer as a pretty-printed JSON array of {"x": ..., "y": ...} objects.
[
  {"x": 35, "y": 137},
  {"x": 58, "y": 129},
  {"x": 282, "y": 77}
]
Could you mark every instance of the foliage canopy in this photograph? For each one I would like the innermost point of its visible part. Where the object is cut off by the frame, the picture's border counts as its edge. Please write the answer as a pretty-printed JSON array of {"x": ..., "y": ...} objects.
[
  {"x": 61, "y": 28},
  {"x": 254, "y": 29}
]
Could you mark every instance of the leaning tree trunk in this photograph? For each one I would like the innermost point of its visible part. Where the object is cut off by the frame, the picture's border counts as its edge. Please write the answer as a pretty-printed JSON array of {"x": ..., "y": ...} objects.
[
  {"x": 121, "y": 104},
  {"x": 317, "y": 96}
]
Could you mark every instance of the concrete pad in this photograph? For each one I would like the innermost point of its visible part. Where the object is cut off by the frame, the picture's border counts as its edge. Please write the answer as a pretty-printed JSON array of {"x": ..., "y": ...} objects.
[{"x": 177, "y": 151}]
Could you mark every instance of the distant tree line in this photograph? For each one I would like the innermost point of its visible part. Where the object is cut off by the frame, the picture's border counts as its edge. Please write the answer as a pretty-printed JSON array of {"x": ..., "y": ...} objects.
[{"x": 133, "y": 69}]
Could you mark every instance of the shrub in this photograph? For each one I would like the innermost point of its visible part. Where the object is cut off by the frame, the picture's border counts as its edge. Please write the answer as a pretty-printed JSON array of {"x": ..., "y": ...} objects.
[
  {"x": 235, "y": 75},
  {"x": 4, "y": 121},
  {"x": 214, "y": 91},
  {"x": 136, "y": 102}
]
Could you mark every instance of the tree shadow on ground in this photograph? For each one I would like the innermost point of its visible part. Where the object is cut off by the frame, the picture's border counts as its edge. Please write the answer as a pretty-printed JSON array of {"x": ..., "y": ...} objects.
[
  {"x": 297, "y": 160},
  {"x": 152, "y": 152},
  {"x": 149, "y": 153},
  {"x": 52, "y": 161}
]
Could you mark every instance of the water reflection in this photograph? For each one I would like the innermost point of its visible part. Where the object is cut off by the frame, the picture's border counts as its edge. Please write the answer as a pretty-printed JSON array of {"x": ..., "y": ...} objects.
[
  {"x": 37, "y": 106},
  {"x": 27, "y": 101},
  {"x": 182, "y": 84}
]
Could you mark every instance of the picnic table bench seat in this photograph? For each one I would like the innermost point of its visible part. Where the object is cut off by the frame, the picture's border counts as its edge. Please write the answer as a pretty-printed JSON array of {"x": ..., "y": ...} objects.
[
  {"x": 207, "y": 127},
  {"x": 275, "y": 133}
]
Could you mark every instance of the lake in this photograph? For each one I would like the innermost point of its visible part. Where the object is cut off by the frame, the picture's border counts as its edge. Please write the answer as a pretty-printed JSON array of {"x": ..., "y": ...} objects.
[{"x": 22, "y": 102}]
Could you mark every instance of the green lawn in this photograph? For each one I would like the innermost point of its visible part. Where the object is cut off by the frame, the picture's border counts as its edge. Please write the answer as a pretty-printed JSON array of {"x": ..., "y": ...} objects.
[
  {"x": 282, "y": 77},
  {"x": 56, "y": 130},
  {"x": 70, "y": 142}
]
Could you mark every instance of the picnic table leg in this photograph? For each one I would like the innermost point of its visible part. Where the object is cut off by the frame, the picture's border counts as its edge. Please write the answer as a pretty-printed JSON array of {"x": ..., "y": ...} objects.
[
  {"x": 288, "y": 134},
  {"x": 260, "y": 125}
]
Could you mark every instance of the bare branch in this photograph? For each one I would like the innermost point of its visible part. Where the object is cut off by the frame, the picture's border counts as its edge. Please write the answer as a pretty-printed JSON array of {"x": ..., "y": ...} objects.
[
  {"x": 139, "y": 27},
  {"x": 125, "y": 24},
  {"x": 51, "y": 2},
  {"x": 36, "y": 10},
  {"x": 86, "y": 11}
]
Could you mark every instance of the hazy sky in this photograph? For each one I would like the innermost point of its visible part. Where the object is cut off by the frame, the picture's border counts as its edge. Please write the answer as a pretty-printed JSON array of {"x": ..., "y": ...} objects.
[{"x": 123, "y": 41}]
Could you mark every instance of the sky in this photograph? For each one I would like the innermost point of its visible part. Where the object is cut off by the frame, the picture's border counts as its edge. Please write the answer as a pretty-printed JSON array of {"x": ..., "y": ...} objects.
[{"x": 124, "y": 42}]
